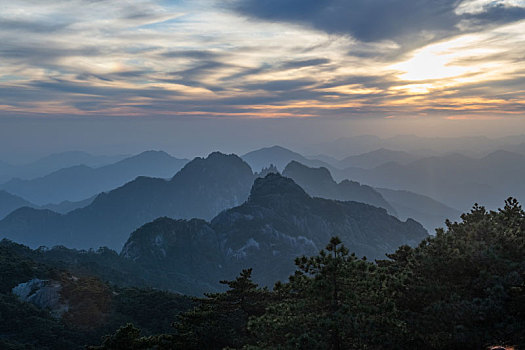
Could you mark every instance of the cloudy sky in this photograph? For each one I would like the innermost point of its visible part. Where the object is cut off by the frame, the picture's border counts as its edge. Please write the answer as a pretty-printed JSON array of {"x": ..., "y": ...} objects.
[{"x": 203, "y": 61}]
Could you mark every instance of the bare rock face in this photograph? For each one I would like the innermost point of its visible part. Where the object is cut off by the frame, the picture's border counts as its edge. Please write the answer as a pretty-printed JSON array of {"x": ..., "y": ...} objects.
[{"x": 44, "y": 294}]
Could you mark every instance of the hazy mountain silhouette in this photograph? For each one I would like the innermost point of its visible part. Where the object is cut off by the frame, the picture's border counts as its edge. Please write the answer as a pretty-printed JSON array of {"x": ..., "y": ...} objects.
[
  {"x": 54, "y": 162},
  {"x": 279, "y": 157},
  {"x": 454, "y": 179},
  {"x": 519, "y": 148},
  {"x": 202, "y": 189},
  {"x": 425, "y": 210},
  {"x": 67, "y": 206},
  {"x": 80, "y": 182},
  {"x": 318, "y": 182},
  {"x": 278, "y": 222},
  {"x": 376, "y": 158},
  {"x": 427, "y": 146},
  {"x": 326, "y": 159},
  {"x": 402, "y": 204},
  {"x": 6, "y": 170},
  {"x": 10, "y": 202}
]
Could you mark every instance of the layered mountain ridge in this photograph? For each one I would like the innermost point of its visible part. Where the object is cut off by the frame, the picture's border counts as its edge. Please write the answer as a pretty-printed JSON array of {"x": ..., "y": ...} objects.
[
  {"x": 79, "y": 182},
  {"x": 277, "y": 223},
  {"x": 318, "y": 182},
  {"x": 202, "y": 189}
]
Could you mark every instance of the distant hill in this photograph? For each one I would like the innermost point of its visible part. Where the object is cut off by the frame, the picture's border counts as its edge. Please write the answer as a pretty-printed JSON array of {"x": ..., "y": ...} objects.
[
  {"x": 278, "y": 156},
  {"x": 402, "y": 204},
  {"x": 326, "y": 159},
  {"x": 278, "y": 222},
  {"x": 318, "y": 182},
  {"x": 202, "y": 189},
  {"x": 54, "y": 162},
  {"x": 429, "y": 212},
  {"x": 67, "y": 206},
  {"x": 519, "y": 148},
  {"x": 376, "y": 158},
  {"x": 10, "y": 202},
  {"x": 80, "y": 182},
  {"x": 6, "y": 170},
  {"x": 454, "y": 179},
  {"x": 474, "y": 146}
]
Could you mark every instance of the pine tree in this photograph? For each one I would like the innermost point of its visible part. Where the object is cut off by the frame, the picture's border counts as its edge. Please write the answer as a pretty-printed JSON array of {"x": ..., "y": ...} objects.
[
  {"x": 220, "y": 321},
  {"x": 334, "y": 301}
]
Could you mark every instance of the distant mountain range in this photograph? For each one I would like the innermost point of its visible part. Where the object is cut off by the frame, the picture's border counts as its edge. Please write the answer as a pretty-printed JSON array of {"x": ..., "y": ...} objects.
[
  {"x": 456, "y": 180},
  {"x": 65, "y": 207},
  {"x": 376, "y": 158},
  {"x": 81, "y": 181},
  {"x": 275, "y": 223},
  {"x": 53, "y": 163},
  {"x": 10, "y": 202},
  {"x": 429, "y": 212},
  {"x": 202, "y": 189},
  {"x": 318, "y": 182},
  {"x": 475, "y": 146},
  {"x": 279, "y": 157},
  {"x": 402, "y": 204},
  {"x": 278, "y": 222}
]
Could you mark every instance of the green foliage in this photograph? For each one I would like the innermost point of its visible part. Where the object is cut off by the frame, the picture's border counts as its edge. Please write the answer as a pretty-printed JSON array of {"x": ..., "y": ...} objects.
[
  {"x": 220, "y": 320},
  {"x": 464, "y": 288},
  {"x": 151, "y": 310},
  {"x": 25, "y": 326},
  {"x": 16, "y": 268},
  {"x": 461, "y": 289},
  {"x": 334, "y": 301},
  {"x": 128, "y": 338},
  {"x": 94, "y": 308}
]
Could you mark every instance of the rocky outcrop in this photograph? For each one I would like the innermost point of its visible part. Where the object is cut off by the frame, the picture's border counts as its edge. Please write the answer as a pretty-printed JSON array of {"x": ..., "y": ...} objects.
[{"x": 44, "y": 294}]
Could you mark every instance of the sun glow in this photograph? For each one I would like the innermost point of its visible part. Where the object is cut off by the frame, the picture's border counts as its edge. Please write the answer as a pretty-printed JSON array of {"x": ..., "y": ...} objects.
[{"x": 444, "y": 60}]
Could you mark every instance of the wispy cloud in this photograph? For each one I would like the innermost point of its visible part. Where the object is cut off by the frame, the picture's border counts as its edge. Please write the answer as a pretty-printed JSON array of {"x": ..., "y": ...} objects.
[{"x": 262, "y": 58}]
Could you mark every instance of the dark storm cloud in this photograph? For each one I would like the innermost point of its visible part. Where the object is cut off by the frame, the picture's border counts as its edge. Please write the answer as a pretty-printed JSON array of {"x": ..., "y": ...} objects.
[{"x": 376, "y": 20}]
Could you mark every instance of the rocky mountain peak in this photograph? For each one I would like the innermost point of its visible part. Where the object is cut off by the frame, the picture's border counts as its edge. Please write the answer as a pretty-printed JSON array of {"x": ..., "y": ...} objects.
[
  {"x": 318, "y": 175},
  {"x": 275, "y": 185},
  {"x": 217, "y": 164}
]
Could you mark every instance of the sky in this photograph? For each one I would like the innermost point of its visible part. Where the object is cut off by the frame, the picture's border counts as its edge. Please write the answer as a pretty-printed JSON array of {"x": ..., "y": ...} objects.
[{"x": 113, "y": 75}]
